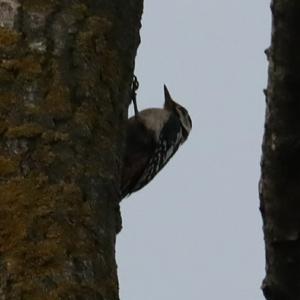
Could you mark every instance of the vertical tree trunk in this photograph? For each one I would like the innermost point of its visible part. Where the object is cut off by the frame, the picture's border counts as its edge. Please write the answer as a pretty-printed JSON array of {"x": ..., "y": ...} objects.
[
  {"x": 65, "y": 75},
  {"x": 280, "y": 179}
]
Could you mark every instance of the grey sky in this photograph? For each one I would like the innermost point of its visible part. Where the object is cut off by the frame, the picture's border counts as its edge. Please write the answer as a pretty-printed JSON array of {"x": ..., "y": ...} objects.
[{"x": 195, "y": 232}]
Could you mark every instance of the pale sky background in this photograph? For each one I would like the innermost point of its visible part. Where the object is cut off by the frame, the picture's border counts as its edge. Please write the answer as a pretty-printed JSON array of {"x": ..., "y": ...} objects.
[{"x": 195, "y": 232}]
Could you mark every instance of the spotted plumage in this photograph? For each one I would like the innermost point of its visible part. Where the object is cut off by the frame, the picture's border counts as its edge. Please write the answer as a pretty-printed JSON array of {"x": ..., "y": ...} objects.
[{"x": 153, "y": 137}]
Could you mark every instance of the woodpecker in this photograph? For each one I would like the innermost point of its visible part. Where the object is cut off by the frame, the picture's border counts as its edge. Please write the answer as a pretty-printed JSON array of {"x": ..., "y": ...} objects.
[{"x": 153, "y": 137}]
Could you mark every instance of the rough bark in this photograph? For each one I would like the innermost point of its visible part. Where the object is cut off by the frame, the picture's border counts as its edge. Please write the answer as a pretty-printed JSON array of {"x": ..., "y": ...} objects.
[
  {"x": 280, "y": 179},
  {"x": 65, "y": 75}
]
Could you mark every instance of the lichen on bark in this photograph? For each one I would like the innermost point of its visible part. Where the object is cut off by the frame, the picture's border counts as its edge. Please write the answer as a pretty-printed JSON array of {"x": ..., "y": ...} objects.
[{"x": 65, "y": 76}]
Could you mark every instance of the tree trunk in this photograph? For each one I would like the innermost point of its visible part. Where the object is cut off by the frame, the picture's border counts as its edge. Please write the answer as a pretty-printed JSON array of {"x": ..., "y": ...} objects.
[
  {"x": 65, "y": 76},
  {"x": 280, "y": 179}
]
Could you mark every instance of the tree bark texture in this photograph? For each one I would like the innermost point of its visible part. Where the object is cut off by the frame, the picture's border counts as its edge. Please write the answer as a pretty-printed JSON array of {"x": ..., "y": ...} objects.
[
  {"x": 280, "y": 179},
  {"x": 65, "y": 76}
]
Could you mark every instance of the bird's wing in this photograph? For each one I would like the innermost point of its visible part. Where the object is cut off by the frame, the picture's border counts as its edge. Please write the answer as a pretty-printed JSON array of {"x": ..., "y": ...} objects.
[
  {"x": 140, "y": 144},
  {"x": 166, "y": 146},
  {"x": 150, "y": 155}
]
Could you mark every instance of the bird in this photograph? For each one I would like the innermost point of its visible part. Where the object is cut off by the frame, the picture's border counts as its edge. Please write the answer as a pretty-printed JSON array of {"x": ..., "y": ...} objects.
[{"x": 153, "y": 136}]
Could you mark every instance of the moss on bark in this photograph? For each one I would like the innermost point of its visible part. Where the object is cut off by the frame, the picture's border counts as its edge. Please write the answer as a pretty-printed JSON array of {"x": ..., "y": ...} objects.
[{"x": 65, "y": 76}]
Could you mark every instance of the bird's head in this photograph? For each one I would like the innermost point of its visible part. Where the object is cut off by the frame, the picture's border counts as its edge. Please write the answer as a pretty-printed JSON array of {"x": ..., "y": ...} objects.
[{"x": 180, "y": 112}]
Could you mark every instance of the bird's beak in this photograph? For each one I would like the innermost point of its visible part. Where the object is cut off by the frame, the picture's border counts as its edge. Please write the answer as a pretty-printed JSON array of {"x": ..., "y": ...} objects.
[{"x": 169, "y": 103}]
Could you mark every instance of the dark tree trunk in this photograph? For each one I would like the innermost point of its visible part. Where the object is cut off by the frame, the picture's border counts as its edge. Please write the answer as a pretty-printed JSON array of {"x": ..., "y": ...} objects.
[
  {"x": 65, "y": 75},
  {"x": 280, "y": 179}
]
